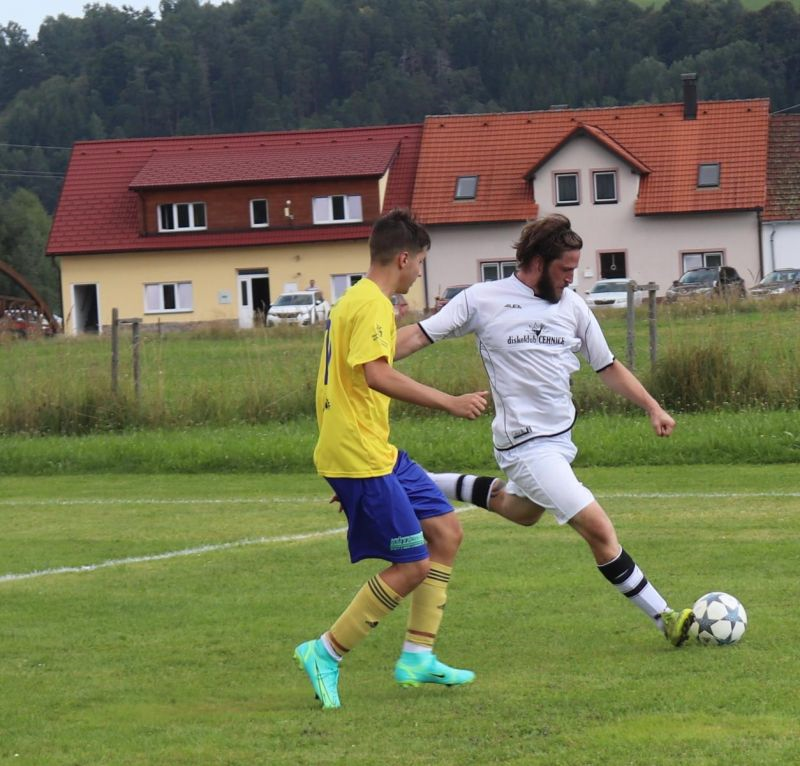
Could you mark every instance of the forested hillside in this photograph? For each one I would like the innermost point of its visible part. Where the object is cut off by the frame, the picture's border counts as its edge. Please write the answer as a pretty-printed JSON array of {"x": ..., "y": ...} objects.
[{"x": 252, "y": 65}]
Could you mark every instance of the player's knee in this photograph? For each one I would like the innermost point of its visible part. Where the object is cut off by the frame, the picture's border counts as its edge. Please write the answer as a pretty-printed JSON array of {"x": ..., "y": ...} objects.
[
  {"x": 528, "y": 518},
  {"x": 418, "y": 570}
]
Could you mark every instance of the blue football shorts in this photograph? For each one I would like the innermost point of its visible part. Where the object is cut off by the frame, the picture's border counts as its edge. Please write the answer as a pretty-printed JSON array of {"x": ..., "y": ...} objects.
[{"x": 384, "y": 512}]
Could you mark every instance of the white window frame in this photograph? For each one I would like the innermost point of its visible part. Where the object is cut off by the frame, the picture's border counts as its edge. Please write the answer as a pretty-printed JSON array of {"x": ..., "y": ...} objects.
[
  {"x": 609, "y": 200},
  {"x": 253, "y": 223},
  {"x": 322, "y": 209},
  {"x": 155, "y": 293},
  {"x": 557, "y": 191},
  {"x": 504, "y": 269},
  {"x": 341, "y": 282},
  {"x": 697, "y": 259},
  {"x": 175, "y": 208}
]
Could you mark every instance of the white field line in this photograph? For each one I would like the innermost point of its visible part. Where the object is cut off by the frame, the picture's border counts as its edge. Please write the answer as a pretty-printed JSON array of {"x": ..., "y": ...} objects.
[
  {"x": 171, "y": 554},
  {"x": 11, "y": 577}
]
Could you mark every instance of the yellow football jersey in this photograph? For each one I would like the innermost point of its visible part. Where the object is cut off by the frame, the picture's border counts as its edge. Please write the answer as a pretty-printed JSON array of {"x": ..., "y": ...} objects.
[{"x": 353, "y": 419}]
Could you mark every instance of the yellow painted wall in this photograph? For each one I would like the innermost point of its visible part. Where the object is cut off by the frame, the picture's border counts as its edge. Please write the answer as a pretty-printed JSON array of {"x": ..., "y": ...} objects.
[{"x": 120, "y": 278}]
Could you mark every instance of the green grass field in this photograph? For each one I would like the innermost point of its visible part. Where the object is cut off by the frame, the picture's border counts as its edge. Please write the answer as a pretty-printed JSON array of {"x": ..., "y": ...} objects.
[{"x": 150, "y": 619}]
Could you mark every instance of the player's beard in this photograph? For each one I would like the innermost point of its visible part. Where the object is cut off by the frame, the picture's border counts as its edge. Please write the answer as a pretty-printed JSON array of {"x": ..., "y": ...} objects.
[{"x": 546, "y": 289}]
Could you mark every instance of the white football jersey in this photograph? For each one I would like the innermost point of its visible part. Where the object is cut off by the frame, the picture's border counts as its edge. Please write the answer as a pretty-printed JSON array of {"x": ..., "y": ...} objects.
[{"x": 529, "y": 348}]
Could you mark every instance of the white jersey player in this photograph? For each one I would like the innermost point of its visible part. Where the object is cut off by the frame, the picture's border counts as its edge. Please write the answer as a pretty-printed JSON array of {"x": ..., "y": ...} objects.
[{"x": 531, "y": 330}]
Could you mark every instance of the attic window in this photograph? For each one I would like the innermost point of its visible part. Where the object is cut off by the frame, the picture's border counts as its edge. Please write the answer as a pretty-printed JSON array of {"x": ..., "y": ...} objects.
[
  {"x": 259, "y": 213},
  {"x": 605, "y": 187},
  {"x": 338, "y": 208},
  {"x": 567, "y": 189},
  {"x": 182, "y": 216},
  {"x": 466, "y": 187},
  {"x": 708, "y": 175}
]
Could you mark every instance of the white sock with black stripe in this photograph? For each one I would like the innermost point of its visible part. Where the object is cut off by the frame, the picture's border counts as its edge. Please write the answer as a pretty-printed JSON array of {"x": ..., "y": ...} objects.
[
  {"x": 465, "y": 487},
  {"x": 624, "y": 574}
]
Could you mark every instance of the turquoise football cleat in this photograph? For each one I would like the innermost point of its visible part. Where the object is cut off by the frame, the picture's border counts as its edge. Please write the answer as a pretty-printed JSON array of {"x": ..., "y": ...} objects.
[
  {"x": 322, "y": 670},
  {"x": 417, "y": 668}
]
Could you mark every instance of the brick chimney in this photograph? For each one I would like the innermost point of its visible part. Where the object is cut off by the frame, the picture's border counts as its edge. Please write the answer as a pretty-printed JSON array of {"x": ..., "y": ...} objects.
[{"x": 689, "y": 96}]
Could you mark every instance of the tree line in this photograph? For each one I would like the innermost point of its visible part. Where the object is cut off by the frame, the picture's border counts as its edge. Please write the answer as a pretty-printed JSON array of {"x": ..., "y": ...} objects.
[{"x": 253, "y": 65}]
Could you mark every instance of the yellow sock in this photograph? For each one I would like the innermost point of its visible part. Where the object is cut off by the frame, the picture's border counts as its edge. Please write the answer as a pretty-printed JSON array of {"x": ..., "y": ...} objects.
[
  {"x": 427, "y": 606},
  {"x": 371, "y": 604}
]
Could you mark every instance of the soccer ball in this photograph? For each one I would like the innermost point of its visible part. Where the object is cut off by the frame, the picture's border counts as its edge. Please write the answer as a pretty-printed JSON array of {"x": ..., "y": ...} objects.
[{"x": 719, "y": 619}]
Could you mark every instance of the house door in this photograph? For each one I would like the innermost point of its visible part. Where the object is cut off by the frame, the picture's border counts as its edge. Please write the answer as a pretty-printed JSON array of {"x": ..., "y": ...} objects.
[
  {"x": 85, "y": 310},
  {"x": 612, "y": 266},
  {"x": 253, "y": 298}
]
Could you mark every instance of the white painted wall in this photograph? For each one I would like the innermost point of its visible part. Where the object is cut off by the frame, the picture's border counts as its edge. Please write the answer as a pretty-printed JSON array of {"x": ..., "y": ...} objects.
[
  {"x": 457, "y": 252},
  {"x": 781, "y": 244}
]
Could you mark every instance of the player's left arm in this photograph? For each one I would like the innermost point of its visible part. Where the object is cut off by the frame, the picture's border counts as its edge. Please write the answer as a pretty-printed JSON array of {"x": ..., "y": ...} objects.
[
  {"x": 381, "y": 376},
  {"x": 623, "y": 382},
  {"x": 410, "y": 338}
]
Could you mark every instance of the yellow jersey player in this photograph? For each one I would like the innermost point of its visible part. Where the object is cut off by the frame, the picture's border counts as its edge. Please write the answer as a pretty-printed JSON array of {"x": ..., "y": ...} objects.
[{"x": 394, "y": 510}]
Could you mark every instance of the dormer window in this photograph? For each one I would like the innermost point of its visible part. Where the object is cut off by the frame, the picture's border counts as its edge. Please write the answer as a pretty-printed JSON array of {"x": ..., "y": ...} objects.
[
  {"x": 605, "y": 187},
  {"x": 708, "y": 175},
  {"x": 259, "y": 213},
  {"x": 466, "y": 187},
  {"x": 567, "y": 189},
  {"x": 182, "y": 216},
  {"x": 338, "y": 208}
]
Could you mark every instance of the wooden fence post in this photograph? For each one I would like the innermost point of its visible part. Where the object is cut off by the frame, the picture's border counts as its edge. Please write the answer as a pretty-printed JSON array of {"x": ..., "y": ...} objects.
[
  {"x": 137, "y": 383},
  {"x": 651, "y": 317},
  {"x": 114, "y": 351},
  {"x": 135, "y": 344},
  {"x": 631, "y": 328}
]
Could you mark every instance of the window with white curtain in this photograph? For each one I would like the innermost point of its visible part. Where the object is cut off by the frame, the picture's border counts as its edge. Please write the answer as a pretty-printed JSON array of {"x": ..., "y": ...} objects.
[
  {"x": 165, "y": 297},
  {"x": 338, "y": 208}
]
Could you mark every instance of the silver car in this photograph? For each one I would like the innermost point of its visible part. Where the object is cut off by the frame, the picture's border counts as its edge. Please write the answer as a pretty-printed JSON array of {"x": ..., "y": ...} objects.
[
  {"x": 306, "y": 307},
  {"x": 612, "y": 293},
  {"x": 777, "y": 282}
]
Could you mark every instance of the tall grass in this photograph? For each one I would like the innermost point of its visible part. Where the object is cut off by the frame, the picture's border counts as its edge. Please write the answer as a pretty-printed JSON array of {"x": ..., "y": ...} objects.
[{"x": 710, "y": 356}]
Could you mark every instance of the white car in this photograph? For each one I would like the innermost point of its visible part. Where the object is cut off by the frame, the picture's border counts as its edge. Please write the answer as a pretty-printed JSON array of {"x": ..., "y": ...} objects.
[
  {"x": 305, "y": 307},
  {"x": 612, "y": 293}
]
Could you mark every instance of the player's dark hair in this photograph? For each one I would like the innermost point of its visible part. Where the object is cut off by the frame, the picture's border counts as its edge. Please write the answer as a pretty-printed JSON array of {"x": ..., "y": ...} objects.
[
  {"x": 549, "y": 237},
  {"x": 394, "y": 232}
]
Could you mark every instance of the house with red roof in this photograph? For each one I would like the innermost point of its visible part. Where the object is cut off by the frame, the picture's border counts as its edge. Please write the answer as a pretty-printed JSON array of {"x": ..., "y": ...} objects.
[
  {"x": 653, "y": 190},
  {"x": 781, "y": 218},
  {"x": 212, "y": 228}
]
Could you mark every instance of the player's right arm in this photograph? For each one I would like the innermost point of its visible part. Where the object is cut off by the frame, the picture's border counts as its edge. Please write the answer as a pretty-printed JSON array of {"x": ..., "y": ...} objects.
[{"x": 382, "y": 377}]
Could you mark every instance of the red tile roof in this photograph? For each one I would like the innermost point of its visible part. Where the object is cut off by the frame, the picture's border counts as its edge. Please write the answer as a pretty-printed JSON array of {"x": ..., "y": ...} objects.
[
  {"x": 98, "y": 212},
  {"x": 503, "y": 148},
  {"x": 783, "y": 169},
  {"x": 263, "y": 163}
]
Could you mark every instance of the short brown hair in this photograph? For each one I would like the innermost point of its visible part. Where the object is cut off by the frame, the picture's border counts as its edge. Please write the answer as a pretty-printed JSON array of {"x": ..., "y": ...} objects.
[
  {"x": 394, "y": 232},
  {"x": 549, "y": 237}
]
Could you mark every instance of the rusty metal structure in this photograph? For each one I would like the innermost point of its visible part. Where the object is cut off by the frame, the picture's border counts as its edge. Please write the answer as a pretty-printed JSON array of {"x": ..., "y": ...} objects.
[{"x": 18, "y": 313}]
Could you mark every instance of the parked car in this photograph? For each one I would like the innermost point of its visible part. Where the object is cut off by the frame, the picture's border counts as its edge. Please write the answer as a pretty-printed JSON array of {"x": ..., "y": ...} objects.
[
  {"x": 707, "y": 282},
  {"x": 400, "y": 306},
  {"x": 612, "y": 293},
  {"x": 447, "y": 295},
  {"x": 777, "y": 282},
  {"x": 305, "y": 307},
  {"x": 24, "y": 322}
]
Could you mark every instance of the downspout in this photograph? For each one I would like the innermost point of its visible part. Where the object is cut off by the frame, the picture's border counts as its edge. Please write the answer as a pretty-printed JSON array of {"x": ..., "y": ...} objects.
[
  {"x": 760, "y": 225},
  {"x": 772, "y": 245}
]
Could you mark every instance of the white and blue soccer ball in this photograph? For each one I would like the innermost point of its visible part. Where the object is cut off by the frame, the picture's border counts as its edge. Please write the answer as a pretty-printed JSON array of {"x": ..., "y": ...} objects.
[{"x": 719, "y": 619}]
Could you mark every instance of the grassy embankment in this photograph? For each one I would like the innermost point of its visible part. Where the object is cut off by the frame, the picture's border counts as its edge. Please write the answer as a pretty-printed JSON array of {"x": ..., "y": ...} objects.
[{"x": 244, "y": 400}]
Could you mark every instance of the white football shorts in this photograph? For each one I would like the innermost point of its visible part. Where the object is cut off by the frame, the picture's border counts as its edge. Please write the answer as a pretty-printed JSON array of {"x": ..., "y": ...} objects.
[{"x": 541, "y": 470}]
